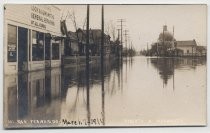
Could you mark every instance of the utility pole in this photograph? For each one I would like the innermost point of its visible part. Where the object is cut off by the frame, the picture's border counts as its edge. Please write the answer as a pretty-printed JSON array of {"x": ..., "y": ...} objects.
[
  {"x": 173, "y": 33},
  {"x": 87, "y": 36},
  {"x": 121, "y": 28},
  {"x": 129, "y": 46},
  {"x": 102, "y": 62},
  {"x": 102, "y": 33},
  {"x": 118, "y": 32},
  {"x": 174, "y": 47},
  {"x": 164, "y": 50},
  {"x": 87, "y": 65},
  {"x": 157, "y": 48},
  {"x": 126, "y": 48},
  {"x": 118, "y": 48}
]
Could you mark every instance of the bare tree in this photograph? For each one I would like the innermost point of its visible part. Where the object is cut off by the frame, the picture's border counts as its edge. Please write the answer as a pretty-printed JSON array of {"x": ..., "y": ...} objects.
[
  {"x": 110, "y": 29},
  {"x": 107, "y": 28},
  {"x": 113, "y": 31},
  {"x": 73, "y": 19},
  {"x": 84, "y": 23}
]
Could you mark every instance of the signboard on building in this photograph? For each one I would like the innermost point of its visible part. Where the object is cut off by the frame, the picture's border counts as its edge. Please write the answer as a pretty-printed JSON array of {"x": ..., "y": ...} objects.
[{"x": 45, "y": 17}]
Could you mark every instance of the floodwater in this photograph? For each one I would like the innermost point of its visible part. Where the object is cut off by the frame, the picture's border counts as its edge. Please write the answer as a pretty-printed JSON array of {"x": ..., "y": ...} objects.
[{"x": 139, "y": 91}]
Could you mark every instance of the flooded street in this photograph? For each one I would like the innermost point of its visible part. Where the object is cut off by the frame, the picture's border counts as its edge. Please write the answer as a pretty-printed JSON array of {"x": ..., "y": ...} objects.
[{"x": 139, "y": 91}]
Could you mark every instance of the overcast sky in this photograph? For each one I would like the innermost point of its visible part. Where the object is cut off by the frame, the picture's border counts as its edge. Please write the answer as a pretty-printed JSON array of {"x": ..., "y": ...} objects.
[{"x": 145, "y": 22}]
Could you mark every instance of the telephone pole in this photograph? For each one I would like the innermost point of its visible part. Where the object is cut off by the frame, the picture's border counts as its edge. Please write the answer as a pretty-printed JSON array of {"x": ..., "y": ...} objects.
[
  {"x": 102, "y": 33},
  {"x": 121, "y": 29},
  {"x": 102, "y": 62},
  {"x": 118, "y": 32},
  {"x": 126, "y": 35},
  {"x": 87, "y": 65},
  {"x": 118, "y": 46},
  {"x": 87, "y": 36}
]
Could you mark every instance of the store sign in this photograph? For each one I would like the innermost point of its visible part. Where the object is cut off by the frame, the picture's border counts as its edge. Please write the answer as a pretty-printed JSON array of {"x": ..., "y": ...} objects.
[
  {"x": 12, "y": 47},
  {"x": 12, "y": 53},
  {"x": 42, "y": 17}
]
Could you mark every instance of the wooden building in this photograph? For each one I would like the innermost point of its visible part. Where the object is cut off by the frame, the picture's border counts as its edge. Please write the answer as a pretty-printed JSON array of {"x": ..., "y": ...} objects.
[{"x": 31, "y": 37}]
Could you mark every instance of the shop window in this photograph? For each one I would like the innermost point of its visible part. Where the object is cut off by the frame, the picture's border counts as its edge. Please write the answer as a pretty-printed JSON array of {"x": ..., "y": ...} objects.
[
  {"x": 12, "y": 44},
  {"x": 37, "y": 46},
  {"x": 55, "y": 51}
]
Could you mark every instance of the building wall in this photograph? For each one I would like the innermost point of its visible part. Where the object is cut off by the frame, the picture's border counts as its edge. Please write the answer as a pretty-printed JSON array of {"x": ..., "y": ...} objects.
[
  {"x": 201, "y": 53},
  {"x": 74, "y": 46},
  {"x": 188, "y": 50}
]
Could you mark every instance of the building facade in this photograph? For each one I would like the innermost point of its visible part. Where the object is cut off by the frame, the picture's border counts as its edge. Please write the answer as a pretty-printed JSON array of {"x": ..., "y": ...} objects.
[
  {"x": 94, "y": 42},
  {"x": 201, "y": 50},
  {"x": 31, "y": 37},
  {"x": 186, "y": 48}
]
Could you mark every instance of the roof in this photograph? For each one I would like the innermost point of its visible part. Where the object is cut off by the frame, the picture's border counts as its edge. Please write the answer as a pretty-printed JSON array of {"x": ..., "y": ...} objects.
[
  {"x": 186, "y": 43},
  {"x": 72, "y": 35},
  {"x": 200, "y": 48},
  {"x": 94, "y": 33}
]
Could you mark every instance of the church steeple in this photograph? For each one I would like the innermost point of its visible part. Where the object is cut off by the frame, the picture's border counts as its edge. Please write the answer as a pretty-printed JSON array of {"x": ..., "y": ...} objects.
[{"x": 164, "y": 27}]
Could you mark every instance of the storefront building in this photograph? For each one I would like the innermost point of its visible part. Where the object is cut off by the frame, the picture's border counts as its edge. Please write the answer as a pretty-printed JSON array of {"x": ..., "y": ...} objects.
[{"x": 31, "y": 37}]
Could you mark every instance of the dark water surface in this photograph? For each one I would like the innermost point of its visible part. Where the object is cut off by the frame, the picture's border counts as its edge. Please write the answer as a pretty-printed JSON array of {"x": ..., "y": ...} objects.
[{"x": 138, "y": 92}]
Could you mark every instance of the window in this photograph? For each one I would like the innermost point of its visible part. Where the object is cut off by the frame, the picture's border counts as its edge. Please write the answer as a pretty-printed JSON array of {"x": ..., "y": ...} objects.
[
  {"x": 55, "y": 51},
  {"x": 12, "y": 44},
  {"x": 37, "y": 46}
]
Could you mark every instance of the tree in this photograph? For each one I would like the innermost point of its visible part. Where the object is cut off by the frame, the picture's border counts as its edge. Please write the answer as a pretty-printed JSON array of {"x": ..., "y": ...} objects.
[
  {"x": 72, "y": 16},
  {"x": 110, "y": 29},
  {"x": 167, "y": 36}
]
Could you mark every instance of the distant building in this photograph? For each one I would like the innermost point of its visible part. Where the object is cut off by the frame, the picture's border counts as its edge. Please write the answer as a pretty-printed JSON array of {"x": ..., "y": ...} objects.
[
  {"x": 186, "y": 48},
  {"x": 94, "y": 42},
  {"x": 167, "y": 45},
  {"x": 201, "y": 50},
  {"x": 189, "y": 48},
  {"x": 71, "y": 44}
]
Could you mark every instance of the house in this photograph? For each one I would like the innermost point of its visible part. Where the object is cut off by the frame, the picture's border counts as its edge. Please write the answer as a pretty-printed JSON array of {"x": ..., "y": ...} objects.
[
  {"x": 82, "y": 41},
  {"x": 186, "y": 48},
  {"x": 71, "y": 44},
  {"x": 201, "y": 50},
  {"x": 94, "y": 42}
]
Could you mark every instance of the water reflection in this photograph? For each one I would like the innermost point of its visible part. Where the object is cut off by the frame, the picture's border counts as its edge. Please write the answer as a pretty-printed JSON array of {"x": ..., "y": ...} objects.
[
  {"x": 167, "y": 66},
  {"x": 32, "y": 96},
  {"x": 84, "y": 99},
  {"x": 105, "y": 94}
]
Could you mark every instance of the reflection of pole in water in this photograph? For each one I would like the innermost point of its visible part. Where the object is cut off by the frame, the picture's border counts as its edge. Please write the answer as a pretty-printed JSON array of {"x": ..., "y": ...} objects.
[
  {"x": 163, "y": 83},
  {"x": 131, "y": 61},
  {"x": 102, "y": 62},
  {"x": 121, "y": 77},
  {"x": 173, "y": 74},
  {"x": 87, "y": 65},
  {"x": 118, "y": 73},
  {"x": 113, "y": 84},
  {"x": 126, "y": 71}
]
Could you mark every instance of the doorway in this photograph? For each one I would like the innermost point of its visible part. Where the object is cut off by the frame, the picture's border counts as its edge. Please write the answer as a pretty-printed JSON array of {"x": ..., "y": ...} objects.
[{"x": 22, "y": 48}]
